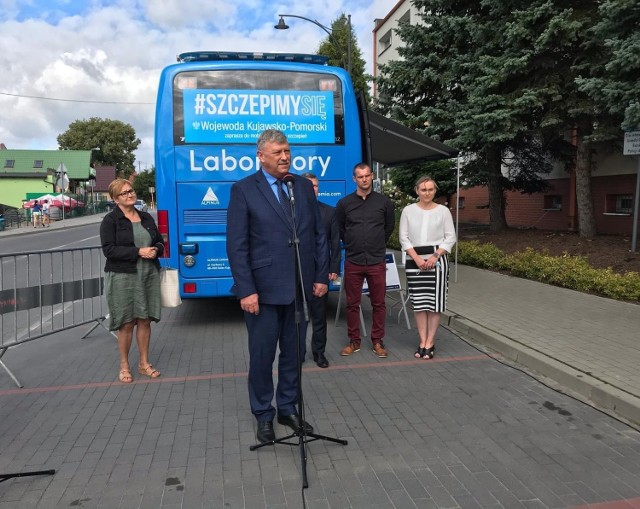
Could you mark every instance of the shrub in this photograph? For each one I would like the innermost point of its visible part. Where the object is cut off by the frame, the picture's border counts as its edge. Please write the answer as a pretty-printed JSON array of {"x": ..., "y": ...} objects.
[
  {"x": 573, "y": 272},
  {"x": 400, "y": 200},
  {"x": 486, "y": 256},
  {"x": 394, "y": 240},
  {"x": 397, "y": 197}
]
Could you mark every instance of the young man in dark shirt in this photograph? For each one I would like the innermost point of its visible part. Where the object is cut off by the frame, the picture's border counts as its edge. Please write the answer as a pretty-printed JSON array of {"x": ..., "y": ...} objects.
[{"x": 366, "y": 220}]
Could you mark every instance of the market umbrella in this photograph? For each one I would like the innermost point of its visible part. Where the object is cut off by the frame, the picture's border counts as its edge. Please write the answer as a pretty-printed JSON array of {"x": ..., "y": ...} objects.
[
  {"x": 55, "y": 200},
  {"x": 69, "y": 203}
]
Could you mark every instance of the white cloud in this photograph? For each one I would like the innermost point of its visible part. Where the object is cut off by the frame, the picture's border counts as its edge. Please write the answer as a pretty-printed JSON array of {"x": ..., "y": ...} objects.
[
  {"x": 177, "y": 14},
  {"x": 113, "y": 51}
]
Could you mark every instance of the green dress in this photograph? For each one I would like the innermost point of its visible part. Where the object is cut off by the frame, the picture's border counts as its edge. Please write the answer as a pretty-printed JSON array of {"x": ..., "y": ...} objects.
[{"x": 137, "y": 295}]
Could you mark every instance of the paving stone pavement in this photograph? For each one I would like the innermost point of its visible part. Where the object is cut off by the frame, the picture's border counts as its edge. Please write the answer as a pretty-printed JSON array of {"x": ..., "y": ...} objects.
[
  {"x": 463, "y": 430},
  {"x": 588, "y": 344},
  {"x": 468, "y": 429}
]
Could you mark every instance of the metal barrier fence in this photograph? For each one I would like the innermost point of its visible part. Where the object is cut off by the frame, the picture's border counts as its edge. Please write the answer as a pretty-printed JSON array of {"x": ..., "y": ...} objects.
[{"x": 45, "y": 292}]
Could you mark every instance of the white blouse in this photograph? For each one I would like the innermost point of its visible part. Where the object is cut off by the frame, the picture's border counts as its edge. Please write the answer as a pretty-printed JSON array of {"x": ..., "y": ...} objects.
[{"x": 419, "y": 227}]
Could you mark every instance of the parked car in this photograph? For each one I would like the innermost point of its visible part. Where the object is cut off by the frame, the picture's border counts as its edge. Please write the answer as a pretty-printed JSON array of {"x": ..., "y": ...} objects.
[{"x": 141, "y": 205}]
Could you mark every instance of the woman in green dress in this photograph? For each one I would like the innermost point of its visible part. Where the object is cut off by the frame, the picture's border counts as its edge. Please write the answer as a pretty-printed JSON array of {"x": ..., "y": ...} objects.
[{"x": 131, "y": 244}]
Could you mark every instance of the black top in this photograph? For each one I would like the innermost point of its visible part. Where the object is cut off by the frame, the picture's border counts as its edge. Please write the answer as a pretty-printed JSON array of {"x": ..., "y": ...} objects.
[
  {"x": 365, "y": 226},
  {"x": 328, "y": 214},
  {"x": 118, "y": 246}
]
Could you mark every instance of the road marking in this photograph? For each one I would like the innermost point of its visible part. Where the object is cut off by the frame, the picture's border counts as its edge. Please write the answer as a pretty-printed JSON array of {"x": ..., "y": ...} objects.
[
  {"x": 218, "y": 376},
  {"x": 76, "y": 242}
]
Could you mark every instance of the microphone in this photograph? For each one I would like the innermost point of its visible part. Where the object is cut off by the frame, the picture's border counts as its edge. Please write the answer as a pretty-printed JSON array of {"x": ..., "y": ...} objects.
[{"x": 289, "y": 180}]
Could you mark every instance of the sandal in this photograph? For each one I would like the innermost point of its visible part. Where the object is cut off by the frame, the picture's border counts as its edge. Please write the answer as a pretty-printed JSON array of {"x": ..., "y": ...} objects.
[
  {"x": 420, "y": 352},
  {"x": 149, "y": 371},
  {"x": 125, "y": 376},
  {"x": 428, "y": 353}
]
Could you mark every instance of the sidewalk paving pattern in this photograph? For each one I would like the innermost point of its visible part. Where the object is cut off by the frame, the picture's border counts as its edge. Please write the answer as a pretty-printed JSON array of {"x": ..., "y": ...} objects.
[
  {"x": 588, "y": 344},
  {"x": 464, "y": 430}
]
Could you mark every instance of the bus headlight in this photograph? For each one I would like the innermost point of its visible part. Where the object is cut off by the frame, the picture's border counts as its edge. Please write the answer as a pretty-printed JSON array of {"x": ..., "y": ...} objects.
[{"x": 189, "y": 261}]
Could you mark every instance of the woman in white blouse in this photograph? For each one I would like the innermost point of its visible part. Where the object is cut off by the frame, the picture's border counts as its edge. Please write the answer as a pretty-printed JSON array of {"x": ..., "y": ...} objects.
[{"x": 427, "y": 235}]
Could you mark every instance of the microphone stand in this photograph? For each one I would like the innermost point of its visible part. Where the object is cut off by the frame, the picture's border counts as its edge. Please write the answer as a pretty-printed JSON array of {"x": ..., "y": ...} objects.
[{"x": 300, "y": 433}]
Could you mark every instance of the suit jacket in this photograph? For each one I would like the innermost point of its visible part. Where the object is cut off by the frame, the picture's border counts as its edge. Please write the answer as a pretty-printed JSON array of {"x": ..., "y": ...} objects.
[
  {"x": 261, "y": 256},
  {"x": 328, "y": 214}
]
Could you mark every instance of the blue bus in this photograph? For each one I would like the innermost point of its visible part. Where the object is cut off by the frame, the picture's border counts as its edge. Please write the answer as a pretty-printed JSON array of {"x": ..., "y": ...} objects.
[{"x": 211, "y": 107}]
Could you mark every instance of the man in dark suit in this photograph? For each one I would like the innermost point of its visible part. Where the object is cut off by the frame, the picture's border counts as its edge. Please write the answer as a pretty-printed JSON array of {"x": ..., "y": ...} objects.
[
  {"x": 318, "y": 305},
  {"x": 262, "y": 260}
]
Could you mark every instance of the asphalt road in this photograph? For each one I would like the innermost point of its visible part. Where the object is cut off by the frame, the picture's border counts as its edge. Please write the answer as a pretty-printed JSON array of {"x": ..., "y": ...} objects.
[{"x": 48, "y": 238}]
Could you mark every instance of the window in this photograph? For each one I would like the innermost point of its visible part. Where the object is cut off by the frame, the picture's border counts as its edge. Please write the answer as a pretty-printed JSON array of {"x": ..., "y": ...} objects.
[
  {"x": 461, "y": 202},
  {"x": 619, "y": 204},
  {"x": 9, "y": 163},
  {"x": 552, "y": 202},
  {"x": 405, "y": 18},
  {"x": 385, "y": 42},
  {"x": 38, "y": 163},
  {"x": 622, "y": 204}
]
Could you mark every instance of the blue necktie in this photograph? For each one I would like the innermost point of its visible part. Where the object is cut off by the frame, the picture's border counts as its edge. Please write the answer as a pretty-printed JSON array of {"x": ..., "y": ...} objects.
[{"x": 284, "y": 199}]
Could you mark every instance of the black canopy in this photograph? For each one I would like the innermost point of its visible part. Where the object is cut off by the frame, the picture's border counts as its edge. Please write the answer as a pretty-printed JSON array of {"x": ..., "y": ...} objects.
[{"x": 393, "y": 144}]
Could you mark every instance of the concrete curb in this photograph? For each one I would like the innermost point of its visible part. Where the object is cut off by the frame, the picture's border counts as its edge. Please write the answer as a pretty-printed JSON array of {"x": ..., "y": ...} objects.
[{"x": 583, "y": 386}]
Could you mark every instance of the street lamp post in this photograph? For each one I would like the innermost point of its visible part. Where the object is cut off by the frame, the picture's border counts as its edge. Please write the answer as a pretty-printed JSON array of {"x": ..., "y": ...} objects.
[{"x": 283, "y": 26}]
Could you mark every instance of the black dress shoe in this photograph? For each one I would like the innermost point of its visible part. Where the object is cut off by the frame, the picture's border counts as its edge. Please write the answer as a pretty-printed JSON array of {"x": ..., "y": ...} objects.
[
  {"x": 321, "y": 360},
  {"x": 265, "y": 432},
  {"x": 293, "y": 421}
]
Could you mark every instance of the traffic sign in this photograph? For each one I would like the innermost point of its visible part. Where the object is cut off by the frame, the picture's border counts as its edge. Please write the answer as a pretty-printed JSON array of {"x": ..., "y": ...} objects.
[
  {"x": 631, "y": 143},
  {"x": 62, "y": 181}
]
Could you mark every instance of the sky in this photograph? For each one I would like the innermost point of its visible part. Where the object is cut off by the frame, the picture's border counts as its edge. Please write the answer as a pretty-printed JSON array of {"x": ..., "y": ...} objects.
[{"x": 67, "y": 60}]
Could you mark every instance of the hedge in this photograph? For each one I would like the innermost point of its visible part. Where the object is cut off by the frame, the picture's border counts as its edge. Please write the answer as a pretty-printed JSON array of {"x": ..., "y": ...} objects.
[
  {"x": 573, "y": 272},
  {"x": 568, "y": 271}
]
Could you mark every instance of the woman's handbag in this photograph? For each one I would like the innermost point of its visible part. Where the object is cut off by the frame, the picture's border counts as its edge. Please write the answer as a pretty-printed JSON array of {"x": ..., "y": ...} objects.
[{"x": 169, "y": 288}]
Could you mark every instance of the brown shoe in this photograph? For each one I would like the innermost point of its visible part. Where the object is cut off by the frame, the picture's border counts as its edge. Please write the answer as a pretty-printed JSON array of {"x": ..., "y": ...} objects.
[
  {"x": 378, "y": 348},
  {"x": 350, "y": 348}
]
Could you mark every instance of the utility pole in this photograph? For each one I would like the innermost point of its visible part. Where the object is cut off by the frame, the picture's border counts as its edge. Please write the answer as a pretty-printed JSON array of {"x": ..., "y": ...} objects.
[{"x": 61, "y": 182}]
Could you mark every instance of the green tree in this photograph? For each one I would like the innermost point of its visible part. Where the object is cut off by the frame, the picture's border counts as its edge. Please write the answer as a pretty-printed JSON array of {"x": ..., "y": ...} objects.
[
  {"x": 336, "y": 47},
  {"x": 464, "y": 77},
  {"x": 614, "y": 85},
  {"x": 143, "y": 181},
  {"x": 565, "y": 48},
  {"x": 116, "y": 140},
  {"x": 508, "y": 82},
  {"x": 443, "y": 172}
]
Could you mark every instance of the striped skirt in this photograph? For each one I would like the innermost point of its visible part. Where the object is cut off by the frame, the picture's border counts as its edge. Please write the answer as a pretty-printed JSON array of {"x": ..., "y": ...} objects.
[{"x": 428, "y": 289}]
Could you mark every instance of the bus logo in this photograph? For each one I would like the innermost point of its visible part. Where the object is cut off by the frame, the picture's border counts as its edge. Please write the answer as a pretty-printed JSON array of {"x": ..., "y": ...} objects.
[{"x": 210, "y": 198}]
